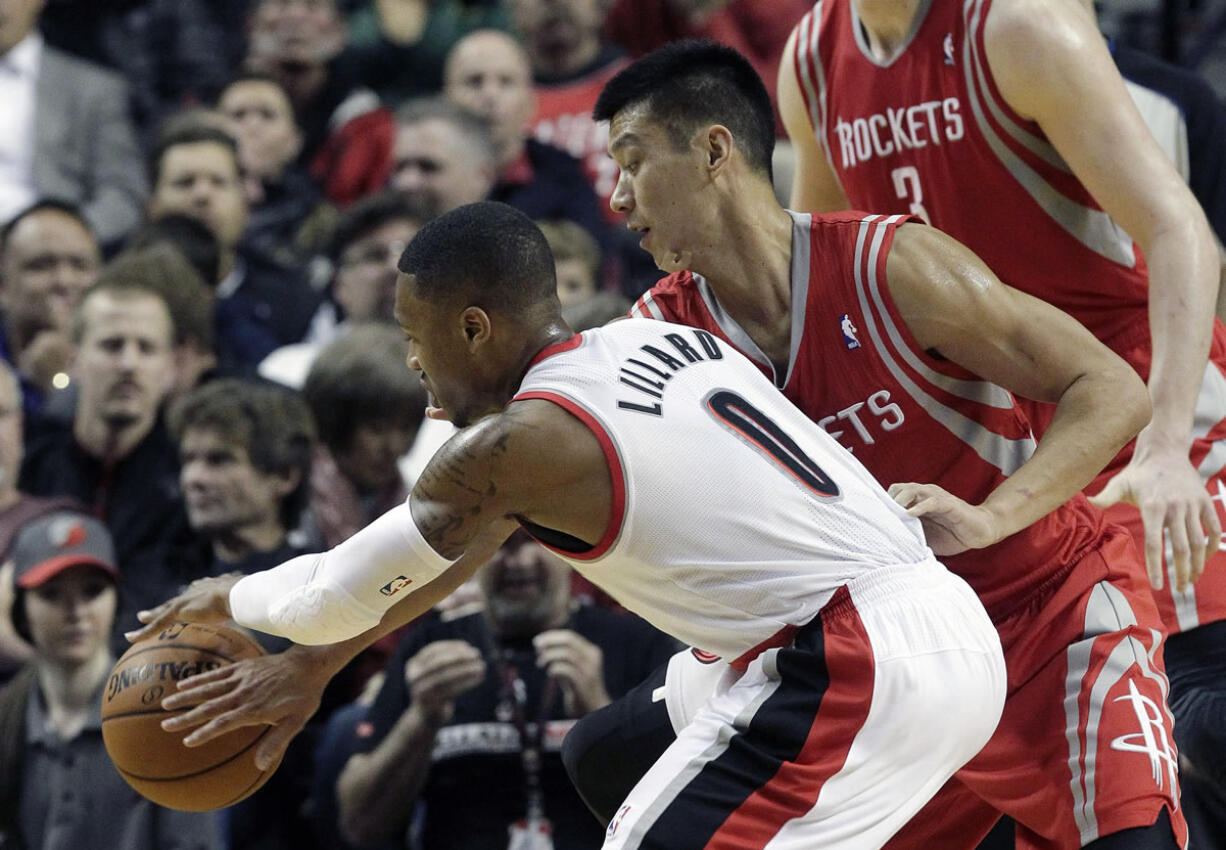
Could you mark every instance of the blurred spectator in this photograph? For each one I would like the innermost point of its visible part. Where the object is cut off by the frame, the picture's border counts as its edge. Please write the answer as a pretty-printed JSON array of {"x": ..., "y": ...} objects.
[
  {"x": 489, "y": 74},
  {"x": 337, "y": 742},
  {"x": 480, "y": 701},
  {"x": 161, "y": 267},
  {"x": 245, "y": 453},
  {"x": 57, "y": 783},
  {"x": 16, "y": 509},
  {"x": 48, "y": 257},
  {"x": 576, "y": 258},
  {"x": 289, "y": 219},
  {"x": 245, "y": 449},
  {"x": 401, "y": 44},
  {"x": 190, "y": 236},
  {"x": 599, "y": 310},
  {"x": 444, "y": 156},
  {"x": 759, "y": 29},
  {"x": 368, "y": 408},
  {"x": 114, "y": 455},
  {"x": 347, "y": 133},
  {"x": 369, "y": 239},
  {"x": 172, "y": 53},
  {"x": 571, "y": 64},
  {"x": 65, "y": 130},
  {"x": 262, "y": 304}
]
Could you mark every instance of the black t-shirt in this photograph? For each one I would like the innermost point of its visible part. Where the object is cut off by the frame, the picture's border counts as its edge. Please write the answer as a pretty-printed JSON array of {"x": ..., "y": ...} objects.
[{"x": 475, "y": 788}]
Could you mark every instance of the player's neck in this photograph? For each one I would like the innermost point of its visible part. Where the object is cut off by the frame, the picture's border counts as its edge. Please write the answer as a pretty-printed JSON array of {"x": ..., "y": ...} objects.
[
  {"x": 750, "y": 269},
  {"x": 887, "y": 23}
]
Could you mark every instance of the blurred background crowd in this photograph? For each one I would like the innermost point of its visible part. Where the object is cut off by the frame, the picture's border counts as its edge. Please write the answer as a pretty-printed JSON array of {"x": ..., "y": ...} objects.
[{"x": 202, "y": 203}]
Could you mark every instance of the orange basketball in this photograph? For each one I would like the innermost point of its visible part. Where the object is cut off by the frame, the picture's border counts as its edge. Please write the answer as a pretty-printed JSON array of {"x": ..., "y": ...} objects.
[{"x": 154, "y": 761}]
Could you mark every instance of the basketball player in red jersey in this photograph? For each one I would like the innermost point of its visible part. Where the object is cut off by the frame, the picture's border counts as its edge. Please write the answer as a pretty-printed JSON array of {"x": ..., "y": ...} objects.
[
  {"x": 903, "y": 345},
  {"x": 1006, "y": 124}
]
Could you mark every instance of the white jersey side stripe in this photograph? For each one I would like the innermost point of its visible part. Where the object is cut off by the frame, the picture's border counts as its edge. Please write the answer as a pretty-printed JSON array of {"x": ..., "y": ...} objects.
[{"x": 1005, "y": 454}]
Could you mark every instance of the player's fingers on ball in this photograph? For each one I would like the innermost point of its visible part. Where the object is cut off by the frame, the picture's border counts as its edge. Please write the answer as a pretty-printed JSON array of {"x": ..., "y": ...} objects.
[
  {"x": 215, "y": 728},
  {"x": 209, "y": 676},
  {"x": 196, "y": 695}
]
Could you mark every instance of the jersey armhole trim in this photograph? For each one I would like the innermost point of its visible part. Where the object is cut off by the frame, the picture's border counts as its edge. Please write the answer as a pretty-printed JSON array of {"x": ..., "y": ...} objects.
[{"x": 617, "y": 511}]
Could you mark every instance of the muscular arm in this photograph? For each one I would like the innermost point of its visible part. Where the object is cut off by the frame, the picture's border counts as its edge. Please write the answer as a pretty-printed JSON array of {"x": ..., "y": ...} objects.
[
  {"x": 533, "y": 461},
  {"x": 1052, "y": 66},
  {"x": 952, "y": 303},
  {"x": 814, "y": 185}
]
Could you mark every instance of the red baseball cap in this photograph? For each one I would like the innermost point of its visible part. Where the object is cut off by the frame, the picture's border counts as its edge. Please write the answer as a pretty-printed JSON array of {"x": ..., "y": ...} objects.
[{"x": 54, "y": 542}]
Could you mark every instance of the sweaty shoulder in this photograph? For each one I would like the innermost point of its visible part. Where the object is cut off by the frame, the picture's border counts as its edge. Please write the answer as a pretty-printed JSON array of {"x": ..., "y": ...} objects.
[{"x": 1032, "y": 45}]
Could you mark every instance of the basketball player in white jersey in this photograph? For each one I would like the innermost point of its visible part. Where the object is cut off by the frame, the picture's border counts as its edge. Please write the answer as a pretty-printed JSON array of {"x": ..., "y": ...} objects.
[{"x": 668, "y": 470}]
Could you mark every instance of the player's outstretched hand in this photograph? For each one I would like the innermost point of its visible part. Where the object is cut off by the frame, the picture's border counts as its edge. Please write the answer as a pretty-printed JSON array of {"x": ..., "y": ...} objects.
[
  {"x": 1168, "y": 491},
  {"x": 205, "y": 600},
  {"x": 577, "y": 665},
  {"x": 281, "y": 690},
  {"x": 951, "y": 525}
]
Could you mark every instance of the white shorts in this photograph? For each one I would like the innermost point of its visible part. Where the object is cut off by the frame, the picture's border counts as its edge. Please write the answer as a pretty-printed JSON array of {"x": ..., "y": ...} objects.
[{"x": 834, "y": 741}]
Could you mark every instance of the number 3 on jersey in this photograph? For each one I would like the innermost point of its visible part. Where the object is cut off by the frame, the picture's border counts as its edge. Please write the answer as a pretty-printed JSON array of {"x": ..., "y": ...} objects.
[
  {"x": 907, "y": 185},
  {"x": 763, "y": 434}
]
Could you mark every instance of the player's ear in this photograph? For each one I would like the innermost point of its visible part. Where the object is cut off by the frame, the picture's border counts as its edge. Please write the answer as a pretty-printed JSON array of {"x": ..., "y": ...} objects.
[
  {"x": 719, "y": 145},
  {"x": 476, "y": 325}
]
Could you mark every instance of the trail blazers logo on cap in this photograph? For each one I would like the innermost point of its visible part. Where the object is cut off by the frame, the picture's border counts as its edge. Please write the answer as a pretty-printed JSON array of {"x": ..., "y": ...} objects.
[{"x": 66, "y": 532}]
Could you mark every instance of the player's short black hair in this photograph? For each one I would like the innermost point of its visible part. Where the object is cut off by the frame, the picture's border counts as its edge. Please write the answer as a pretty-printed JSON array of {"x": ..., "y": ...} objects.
[
  {"x": 486, "y": 251},
  {"x": 691, "y": 83}
]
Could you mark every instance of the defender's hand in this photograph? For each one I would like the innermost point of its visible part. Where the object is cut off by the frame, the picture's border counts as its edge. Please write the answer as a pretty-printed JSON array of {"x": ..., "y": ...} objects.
[
  {"x": 1171, "y": 496},
  {"x": 951, "y": 525}
]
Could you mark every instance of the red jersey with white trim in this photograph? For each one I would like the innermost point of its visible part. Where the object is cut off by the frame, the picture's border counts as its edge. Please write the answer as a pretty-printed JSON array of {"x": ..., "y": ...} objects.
[
  {"x": 856, "y": 370},
  {"x": 929, "y": 133},
  {"x": 564, "y": 119},
  {"x": 735, "y": 517}
]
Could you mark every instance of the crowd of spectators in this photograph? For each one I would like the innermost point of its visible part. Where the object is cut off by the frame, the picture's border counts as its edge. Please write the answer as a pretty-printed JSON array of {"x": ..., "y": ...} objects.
[
  {"x": 201, "y": 209},
  {"x": 202, "y": 203}
]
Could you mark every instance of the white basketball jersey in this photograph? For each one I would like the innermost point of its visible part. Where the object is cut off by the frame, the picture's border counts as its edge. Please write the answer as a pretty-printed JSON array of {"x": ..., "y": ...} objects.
[{"x": 735, "y": 517}]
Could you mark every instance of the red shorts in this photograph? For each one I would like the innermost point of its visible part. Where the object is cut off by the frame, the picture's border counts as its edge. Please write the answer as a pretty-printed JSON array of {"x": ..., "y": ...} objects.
[{"x": 1084, "y": 748}]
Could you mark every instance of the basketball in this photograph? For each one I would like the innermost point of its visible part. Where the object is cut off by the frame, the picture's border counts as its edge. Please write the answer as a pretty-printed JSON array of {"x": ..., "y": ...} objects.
[{"x": 154, "y": 761}]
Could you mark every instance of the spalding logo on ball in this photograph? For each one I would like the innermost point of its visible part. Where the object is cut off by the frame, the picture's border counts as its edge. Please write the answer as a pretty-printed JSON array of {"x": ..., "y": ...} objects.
[{"x": 154, "y": 761}]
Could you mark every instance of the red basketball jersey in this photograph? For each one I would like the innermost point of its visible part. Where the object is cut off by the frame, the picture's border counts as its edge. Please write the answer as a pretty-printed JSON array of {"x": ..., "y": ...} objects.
[
  {"x": 564, "y": 119},
  {"x": 857, "y": 371},
  {"x": 929, "y": 133}
]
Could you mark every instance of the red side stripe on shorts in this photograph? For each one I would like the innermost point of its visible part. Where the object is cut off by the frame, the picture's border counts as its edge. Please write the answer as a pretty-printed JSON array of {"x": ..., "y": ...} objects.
[{"x": 794, "y": 789}]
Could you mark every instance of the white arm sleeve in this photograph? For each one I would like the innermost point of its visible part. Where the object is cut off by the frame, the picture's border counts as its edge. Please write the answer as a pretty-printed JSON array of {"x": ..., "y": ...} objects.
[{"x": 336, "y": 595}]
